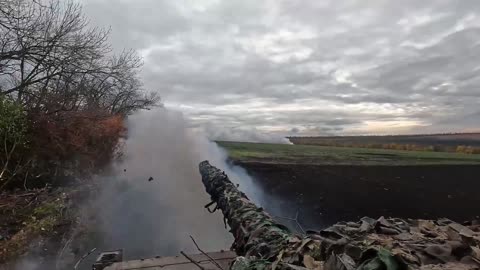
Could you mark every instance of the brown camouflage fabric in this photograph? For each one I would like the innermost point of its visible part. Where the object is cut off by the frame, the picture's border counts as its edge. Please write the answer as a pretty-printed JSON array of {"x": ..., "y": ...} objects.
[{"x": 382, "y": 244}]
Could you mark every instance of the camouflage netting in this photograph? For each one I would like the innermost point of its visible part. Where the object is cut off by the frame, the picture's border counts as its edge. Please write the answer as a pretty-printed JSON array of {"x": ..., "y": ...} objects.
[{"x": 383, "y": 244}]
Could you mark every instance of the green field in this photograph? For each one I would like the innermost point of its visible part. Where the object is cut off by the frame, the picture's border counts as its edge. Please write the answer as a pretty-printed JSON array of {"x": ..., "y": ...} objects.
[{"x": 308, "y": 154}]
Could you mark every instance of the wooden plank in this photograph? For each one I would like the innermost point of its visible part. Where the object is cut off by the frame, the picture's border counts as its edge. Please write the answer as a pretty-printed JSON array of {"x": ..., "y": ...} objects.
[{"x": 178, "y": 262}]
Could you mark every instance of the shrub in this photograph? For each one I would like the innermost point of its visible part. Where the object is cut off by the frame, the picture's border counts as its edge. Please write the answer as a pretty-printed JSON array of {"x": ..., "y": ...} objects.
[
  {"x": 67, "y": 142},
  {"x": 13, "y": 141}
]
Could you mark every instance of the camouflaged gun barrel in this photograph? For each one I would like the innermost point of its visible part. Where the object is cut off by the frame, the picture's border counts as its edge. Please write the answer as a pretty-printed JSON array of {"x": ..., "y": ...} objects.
[
  {"x": 382, "y": 244},
  {"x": 256, "y": 233},
  {"x": 260, "y": 241}
]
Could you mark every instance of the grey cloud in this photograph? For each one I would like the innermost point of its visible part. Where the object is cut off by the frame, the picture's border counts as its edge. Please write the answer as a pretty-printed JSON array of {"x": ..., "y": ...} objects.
[
  {"x": 354, "y": 61},
  {"x": 137, "y": 24},
  {"x": 340, "y": 122}
]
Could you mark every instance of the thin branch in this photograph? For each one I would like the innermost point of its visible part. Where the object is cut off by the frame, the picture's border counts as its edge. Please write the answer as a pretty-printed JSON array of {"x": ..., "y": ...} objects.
[
  {"x": 192, "y": 260},
  {"x": 63, "y": 250},
  {"x": 27, "y": 194},
  {"x": 203, "y": 252},
  {"x": 25, "y": 181}
]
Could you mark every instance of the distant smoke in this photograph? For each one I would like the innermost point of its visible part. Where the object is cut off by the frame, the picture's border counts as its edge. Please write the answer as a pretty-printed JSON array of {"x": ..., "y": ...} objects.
[{"x": 242, "y": 134}]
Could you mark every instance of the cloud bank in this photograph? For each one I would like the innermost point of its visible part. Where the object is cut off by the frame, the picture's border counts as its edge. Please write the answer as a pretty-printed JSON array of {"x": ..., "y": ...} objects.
[{"x": 287, "y": 67}]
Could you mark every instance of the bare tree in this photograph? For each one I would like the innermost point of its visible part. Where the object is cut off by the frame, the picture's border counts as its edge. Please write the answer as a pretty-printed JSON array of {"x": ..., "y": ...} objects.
[
  {"x": 67, "y": 83},
  {"x": 51, "y": 60}
]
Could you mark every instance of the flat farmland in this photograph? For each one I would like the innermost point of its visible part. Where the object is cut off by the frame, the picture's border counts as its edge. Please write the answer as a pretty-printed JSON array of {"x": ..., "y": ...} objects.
[
  {"x": 326, "y": 155},
  {"x": 330, "y": 184}
]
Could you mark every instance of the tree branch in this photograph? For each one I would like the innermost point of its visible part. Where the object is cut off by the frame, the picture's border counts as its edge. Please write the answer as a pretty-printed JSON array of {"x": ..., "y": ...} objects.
[
  {"x": 192, "y": 260},
  {"x": 208, "y": 256}
]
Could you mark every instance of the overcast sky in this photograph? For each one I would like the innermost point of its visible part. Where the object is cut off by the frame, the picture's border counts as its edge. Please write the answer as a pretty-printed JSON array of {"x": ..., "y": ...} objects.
[{"x": 251, "y": 68}]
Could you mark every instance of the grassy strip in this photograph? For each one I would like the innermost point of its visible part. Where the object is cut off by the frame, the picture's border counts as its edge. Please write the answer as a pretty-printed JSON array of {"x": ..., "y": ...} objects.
[{"x": 310, "y": 154}]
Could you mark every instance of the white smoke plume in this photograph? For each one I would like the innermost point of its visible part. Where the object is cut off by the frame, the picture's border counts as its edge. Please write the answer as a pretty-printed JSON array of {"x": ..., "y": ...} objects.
[
  {"x": 149, "y": 218},
  {"x": 153, "y": 199}
]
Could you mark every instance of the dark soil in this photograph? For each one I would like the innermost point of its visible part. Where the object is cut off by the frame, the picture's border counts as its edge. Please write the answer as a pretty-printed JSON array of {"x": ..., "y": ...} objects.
[{"x": 324, "y": 195}]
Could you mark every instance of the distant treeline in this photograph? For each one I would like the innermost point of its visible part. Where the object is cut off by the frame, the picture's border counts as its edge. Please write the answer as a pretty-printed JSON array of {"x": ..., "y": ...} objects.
[{"x": 468, "y": 143}]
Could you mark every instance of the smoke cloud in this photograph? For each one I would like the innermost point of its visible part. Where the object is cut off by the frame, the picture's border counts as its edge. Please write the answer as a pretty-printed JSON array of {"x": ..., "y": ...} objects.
[
  {"x": 152, "y": 200},
  {"x": 156, "y": 200},
  {"x": 241, "y": 134}
]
